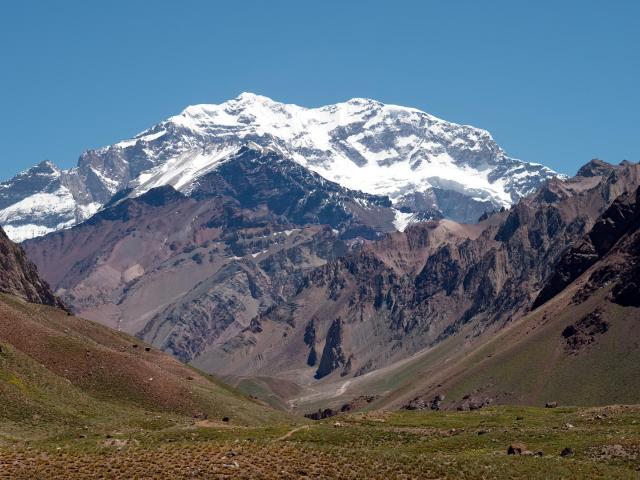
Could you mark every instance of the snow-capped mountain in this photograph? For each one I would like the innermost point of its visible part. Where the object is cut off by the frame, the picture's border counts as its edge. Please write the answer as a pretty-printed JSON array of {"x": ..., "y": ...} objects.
[
  {"x": 43, "y": 199},
  {"x": 427, "y": 166}
]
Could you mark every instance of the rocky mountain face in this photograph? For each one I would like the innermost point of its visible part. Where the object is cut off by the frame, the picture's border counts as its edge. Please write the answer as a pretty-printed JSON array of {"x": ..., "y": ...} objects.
[
  {"x": 579, "y": 344},
  {"x": 620, "y": 220},
  {"x": 19, "y": 276},
  {"x": 185, "y": 271},
  {"x": 256, "y": 177},
  {"x": 428, "y": 167},
  {"x": 397, "y": 296}
]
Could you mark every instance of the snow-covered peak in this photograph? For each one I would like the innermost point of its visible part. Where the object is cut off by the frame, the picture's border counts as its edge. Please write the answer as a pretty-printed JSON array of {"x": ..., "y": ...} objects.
[
  {"x": 250, "y": 97},
  {"x": 49, "y": 165},
  {"x": 45, "y": 168},
  {"x": 361, "y": 143},
  {"x": 423, "y": 163},
  {"x": 257, "y": 114},
  {"x": 39, "y": 200}
]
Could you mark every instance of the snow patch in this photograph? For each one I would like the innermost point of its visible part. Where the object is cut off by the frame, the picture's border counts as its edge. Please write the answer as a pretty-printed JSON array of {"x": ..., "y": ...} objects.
[
  {"x": 180, "y": 172},
  {"x": 38, "y": 205},
  {"x": 21, "y": 233},
  {"x": 402, "y": 220}
]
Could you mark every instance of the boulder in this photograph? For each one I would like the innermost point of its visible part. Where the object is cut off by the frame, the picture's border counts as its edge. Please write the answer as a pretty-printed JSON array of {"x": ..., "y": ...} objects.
[
  {"x": 566, "y": 452},
  {"x": 321, "y": 414},
  {"x": 516, "y": 448}
]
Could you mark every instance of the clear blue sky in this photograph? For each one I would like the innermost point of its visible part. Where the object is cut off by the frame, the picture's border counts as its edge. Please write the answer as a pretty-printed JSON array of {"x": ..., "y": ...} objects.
[{"x": 556, "y": 82}]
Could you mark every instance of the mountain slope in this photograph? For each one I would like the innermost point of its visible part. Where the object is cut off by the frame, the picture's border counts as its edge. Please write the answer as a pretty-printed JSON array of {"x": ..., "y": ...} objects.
[
  {"x": 60, "y": 371},
  {"x": 373, "y": 307},
  {"x": 63, "y": 370},
  {"x": 581, "y": 347},
  {"x": 621, "y": 218},
  {"x": 182, "y": 271},
  {"x": 427, "y": 166}
]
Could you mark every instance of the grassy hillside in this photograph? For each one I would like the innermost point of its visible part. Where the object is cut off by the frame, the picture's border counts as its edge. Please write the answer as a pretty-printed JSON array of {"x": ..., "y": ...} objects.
[
  {"x": 531, "y": 362},
  {"x": 537, "y": 367},
  {"x": 63, "y": 375}
]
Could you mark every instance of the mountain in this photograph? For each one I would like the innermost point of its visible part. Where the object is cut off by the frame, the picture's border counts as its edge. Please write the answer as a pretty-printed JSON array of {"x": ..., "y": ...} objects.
[
  {"x": 65, "y": 372},
  {"x": 240, "y": 277},
  {"x": 283, "y": 248},
  {"x": 183, "y": 271},
  {"x": 366, "y": 310},
  {"x": 578, "y": 347},
  {"x": 44, "y": 199},
  {"x": 428, "y": 167},
  {"x": 60, "y": 372}
]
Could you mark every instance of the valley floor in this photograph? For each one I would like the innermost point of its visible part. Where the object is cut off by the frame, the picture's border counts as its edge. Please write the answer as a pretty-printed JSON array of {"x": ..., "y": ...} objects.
[{"x": 604, "y": 442}]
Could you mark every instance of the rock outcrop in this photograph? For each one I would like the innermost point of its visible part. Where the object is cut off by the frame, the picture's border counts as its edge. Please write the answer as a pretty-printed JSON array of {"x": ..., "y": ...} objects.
[
  {"x": 619, "y": 219},
  {"x": 580, "y": 334},
  {"x": 333, "y": 355},
  {"x": 19, "y": 276}
]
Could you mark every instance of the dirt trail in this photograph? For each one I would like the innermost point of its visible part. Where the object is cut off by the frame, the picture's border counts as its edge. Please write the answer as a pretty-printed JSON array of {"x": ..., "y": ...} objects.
[{"x": 291, "y": 432}]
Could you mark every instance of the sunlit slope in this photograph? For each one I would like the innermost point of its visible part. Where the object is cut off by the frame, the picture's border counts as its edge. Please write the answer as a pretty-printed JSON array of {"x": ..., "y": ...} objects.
[{"x": 60, "y": 370}]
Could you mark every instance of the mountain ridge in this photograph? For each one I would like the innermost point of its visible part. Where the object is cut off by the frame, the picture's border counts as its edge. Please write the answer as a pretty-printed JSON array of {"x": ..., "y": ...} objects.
[
  {"x": 424, "y": 164},
  {"x": 388, "y": 313}
]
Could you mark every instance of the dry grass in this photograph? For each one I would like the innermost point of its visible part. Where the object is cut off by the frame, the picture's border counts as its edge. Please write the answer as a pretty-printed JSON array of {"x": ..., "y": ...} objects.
[{"x": 458, "y": 445}]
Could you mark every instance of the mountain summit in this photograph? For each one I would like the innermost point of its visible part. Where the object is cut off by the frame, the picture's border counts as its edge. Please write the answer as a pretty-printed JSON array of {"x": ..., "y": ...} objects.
[{"x": 428, "y": 167}]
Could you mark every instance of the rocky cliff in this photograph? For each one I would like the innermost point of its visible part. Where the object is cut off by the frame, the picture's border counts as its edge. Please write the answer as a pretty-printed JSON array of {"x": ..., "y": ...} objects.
[{"x": 19, "y": 276}]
